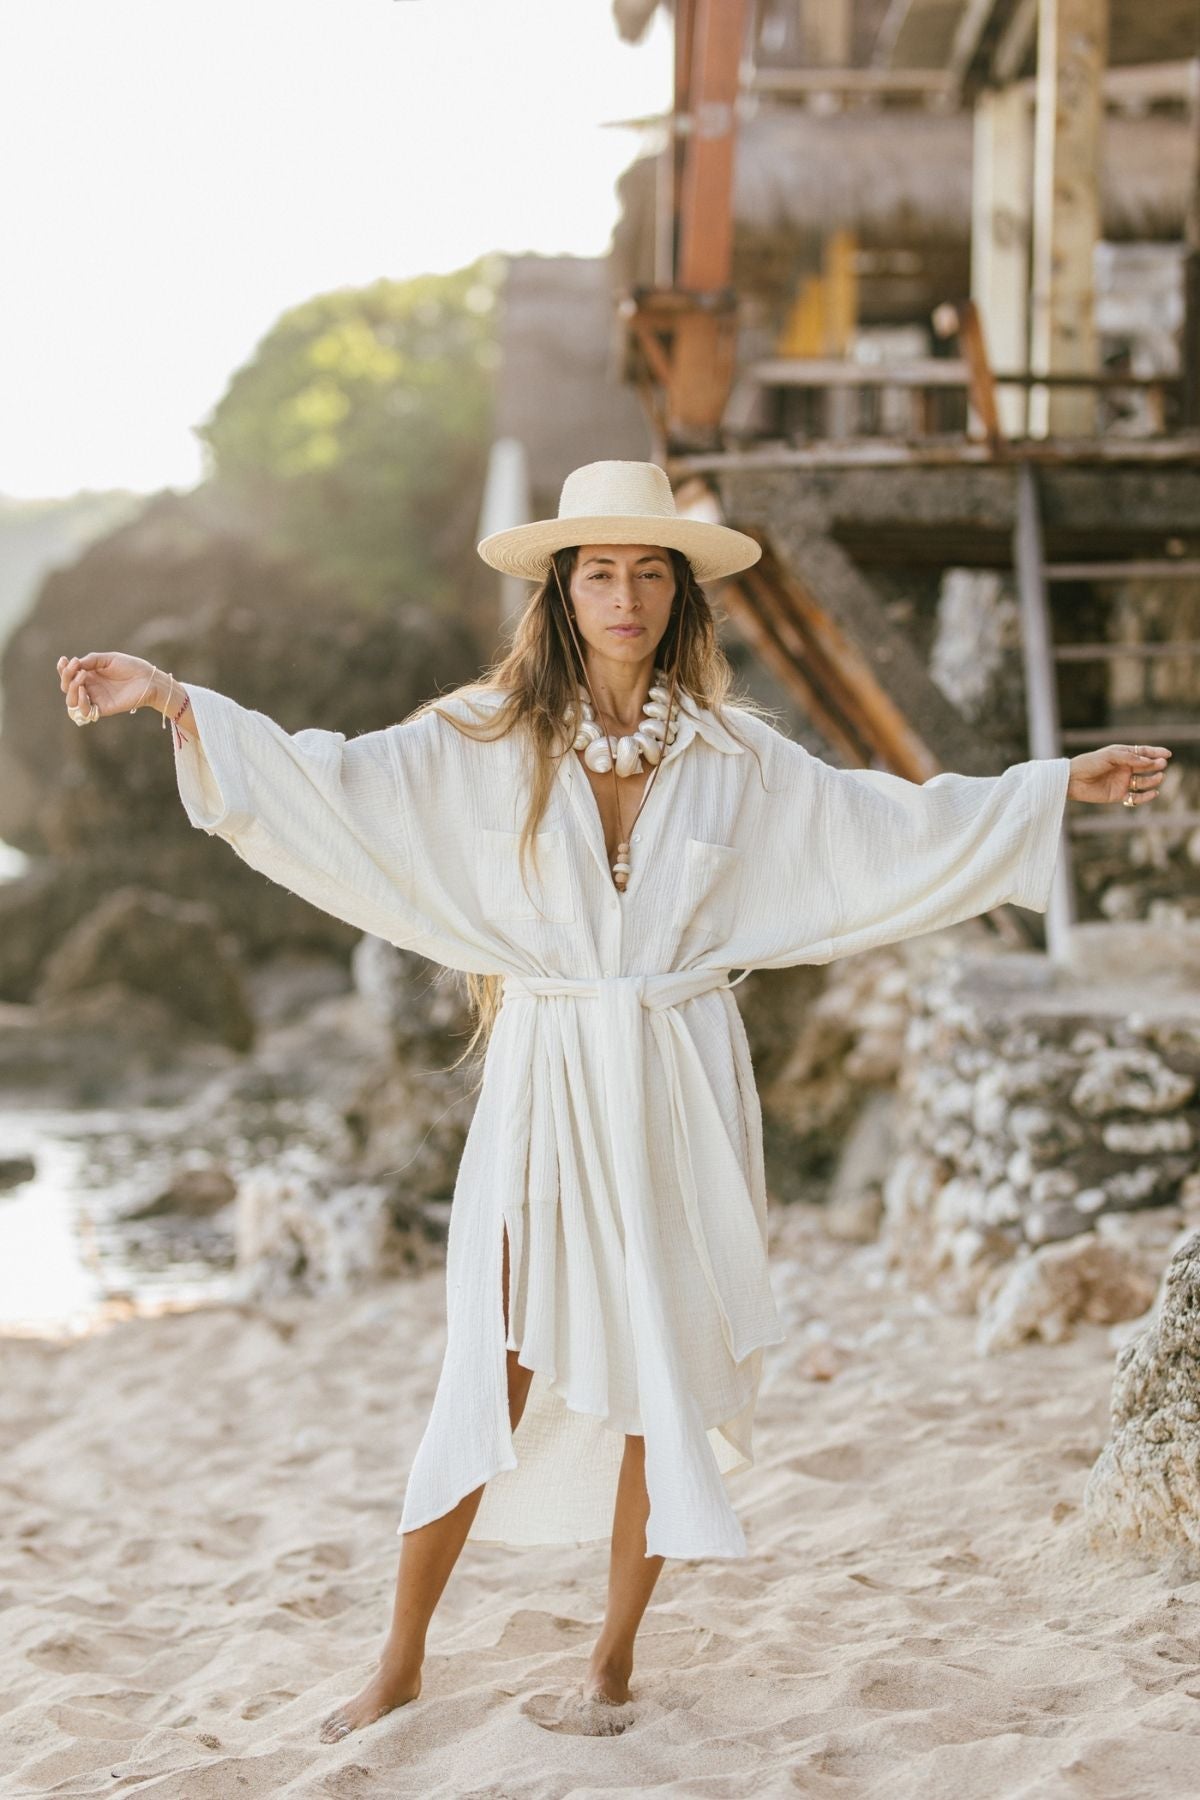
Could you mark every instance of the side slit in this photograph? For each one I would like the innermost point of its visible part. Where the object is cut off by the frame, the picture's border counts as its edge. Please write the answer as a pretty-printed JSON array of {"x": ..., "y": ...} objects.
[{"x": 506, "y": 1280}]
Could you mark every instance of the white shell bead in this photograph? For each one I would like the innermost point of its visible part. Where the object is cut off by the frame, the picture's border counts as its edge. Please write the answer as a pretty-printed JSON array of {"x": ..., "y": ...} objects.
[
  {"x": 651, "y": 748},
  {"x": 628, "y": 755},
  {"x": 598, "y": 756}
]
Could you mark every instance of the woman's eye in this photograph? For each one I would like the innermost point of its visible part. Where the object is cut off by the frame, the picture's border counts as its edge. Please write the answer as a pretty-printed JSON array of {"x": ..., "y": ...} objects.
[{"x": 651, "y": 574}]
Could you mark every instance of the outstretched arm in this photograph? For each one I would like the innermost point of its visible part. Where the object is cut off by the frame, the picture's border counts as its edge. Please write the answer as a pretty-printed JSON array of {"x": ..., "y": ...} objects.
[
  {"x": 313, "y": 810},
  {"x": 911, "y": 857}
]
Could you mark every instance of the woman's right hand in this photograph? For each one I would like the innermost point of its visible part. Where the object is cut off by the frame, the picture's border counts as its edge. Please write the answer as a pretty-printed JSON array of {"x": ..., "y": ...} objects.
[{"x": 113, "y": 681}]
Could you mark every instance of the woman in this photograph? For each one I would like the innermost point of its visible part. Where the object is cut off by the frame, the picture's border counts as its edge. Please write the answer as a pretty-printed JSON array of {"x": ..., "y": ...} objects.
[{"x": 596, "y": 846}]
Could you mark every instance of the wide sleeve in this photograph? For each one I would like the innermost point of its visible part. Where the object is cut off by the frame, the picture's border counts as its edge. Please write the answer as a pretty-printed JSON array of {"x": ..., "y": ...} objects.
[
  {"x": 908, "y": 857},
  {"x": 851, "y": 859},
  {"x": 313, "y": 810}
]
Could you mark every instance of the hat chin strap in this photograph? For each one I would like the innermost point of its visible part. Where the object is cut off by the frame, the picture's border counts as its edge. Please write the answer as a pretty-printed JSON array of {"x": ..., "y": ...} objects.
[{"x": 622, "y": 856}]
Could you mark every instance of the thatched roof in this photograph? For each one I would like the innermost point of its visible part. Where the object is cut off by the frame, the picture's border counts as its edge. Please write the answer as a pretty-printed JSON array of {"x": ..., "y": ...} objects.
[{"x": 901, "y": 179}]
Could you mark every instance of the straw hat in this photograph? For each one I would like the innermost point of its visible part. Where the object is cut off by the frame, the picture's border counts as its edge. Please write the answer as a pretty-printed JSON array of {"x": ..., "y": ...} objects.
[{"x": 619, "y": 503}]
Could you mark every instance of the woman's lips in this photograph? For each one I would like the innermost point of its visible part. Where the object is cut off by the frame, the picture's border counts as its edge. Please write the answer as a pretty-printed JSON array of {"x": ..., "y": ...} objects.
[{"x": 627, "y": 630}]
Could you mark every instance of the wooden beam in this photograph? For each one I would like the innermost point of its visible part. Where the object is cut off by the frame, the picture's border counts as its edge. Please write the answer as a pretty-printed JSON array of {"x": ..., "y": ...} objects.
[
  {"x": 1002, "y": 170},
  {"x": 706, "y": 200},
  {"x": 1012, "y": 49},
  {"x": 1072, "y": 52},
  {"x": 901, "y": 703},
  {"x": 798, "y": 84},
  {"x": 973, "y": 21},
  {"x": 822, "y": 669},
  {"x": 881, "y": 453},
  {"x": 829, "y": 33},
  {"x": 982, "y": 380}
]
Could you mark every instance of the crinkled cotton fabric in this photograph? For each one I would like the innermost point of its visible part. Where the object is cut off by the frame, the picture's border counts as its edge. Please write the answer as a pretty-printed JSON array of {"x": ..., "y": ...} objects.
[{"x": 617, "y": 1136}]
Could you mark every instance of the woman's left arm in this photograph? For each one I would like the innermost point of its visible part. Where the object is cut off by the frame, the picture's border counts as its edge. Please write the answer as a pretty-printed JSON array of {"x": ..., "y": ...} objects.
[{"x": 858, "y": 858}]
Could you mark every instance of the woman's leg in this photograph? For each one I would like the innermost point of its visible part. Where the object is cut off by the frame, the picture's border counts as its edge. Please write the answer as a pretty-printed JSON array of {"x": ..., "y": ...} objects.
[
  {"x": 631, "y": 1578},
  {"x": 427, "y": 1555}
]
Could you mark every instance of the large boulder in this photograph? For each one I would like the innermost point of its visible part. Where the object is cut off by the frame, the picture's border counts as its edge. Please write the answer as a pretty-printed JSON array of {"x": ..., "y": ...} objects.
[
  {"x": 184, "y": 588},
  {"x": 1143, "y": 1492},
  {"x": 173, "y": 949}
]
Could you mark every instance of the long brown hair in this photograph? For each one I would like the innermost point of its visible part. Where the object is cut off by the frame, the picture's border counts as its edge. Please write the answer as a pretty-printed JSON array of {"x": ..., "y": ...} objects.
[{"x": 540, "y": 674}]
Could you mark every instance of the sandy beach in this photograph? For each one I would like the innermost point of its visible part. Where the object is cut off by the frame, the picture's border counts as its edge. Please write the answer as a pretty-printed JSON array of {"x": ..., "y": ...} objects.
[{"x": 199, "y": 1548}]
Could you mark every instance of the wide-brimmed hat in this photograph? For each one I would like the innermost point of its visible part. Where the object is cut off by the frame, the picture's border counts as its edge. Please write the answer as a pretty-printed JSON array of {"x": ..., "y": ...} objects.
[{"x": 619, "y": 503}]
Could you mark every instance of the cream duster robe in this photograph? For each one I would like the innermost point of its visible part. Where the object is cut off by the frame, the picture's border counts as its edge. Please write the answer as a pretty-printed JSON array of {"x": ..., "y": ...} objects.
[{"x": 617, "y": 1135}]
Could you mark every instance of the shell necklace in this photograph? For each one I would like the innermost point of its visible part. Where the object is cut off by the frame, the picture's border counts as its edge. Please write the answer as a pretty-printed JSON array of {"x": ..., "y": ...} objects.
[{"x": 655, "y": 733}]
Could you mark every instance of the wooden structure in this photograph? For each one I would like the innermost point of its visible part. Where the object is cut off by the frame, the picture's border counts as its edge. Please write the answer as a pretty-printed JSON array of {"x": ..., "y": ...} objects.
[{"x": 1012, "y": 451}]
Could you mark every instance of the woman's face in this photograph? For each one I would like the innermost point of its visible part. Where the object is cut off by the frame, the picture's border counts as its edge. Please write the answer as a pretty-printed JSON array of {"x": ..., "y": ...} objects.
[{"x": 622, "y": 595}]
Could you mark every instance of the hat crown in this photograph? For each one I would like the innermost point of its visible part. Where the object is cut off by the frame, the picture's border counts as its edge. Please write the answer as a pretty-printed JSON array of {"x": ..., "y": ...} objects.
[{"x": 617, "y": 489}]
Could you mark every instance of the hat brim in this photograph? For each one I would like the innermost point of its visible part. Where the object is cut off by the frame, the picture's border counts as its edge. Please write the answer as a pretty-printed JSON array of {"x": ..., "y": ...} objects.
[{"x": 714, "y": 551}]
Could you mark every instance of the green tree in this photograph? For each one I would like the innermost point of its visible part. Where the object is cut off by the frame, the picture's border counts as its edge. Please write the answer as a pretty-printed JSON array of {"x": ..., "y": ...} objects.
[{"x": 357, "y": 435}]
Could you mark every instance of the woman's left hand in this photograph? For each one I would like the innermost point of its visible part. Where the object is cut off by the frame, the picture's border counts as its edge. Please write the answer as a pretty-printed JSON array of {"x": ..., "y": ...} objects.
[{"x": 1103, "y": 776}]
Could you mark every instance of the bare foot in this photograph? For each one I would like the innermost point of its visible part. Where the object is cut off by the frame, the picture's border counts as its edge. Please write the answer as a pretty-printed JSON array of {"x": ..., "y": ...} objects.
[
  {"x": 389, "y": 1687},
  {"x": 607, "y": 1680}
]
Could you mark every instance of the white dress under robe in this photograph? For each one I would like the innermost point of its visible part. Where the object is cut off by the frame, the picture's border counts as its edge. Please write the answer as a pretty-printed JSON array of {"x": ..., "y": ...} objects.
[{"x": 617, "y": 1135}]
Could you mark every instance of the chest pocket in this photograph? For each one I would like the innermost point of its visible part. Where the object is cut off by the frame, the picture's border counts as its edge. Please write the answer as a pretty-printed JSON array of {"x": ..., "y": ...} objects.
[
  {"x": 707, "y": 895},
  {"x": 542, "y": 890}
]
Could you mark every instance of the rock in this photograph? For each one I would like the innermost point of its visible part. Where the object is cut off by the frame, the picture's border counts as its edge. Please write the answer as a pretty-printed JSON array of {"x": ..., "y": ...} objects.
[
  {"x": 1137, "y": 1080},
  {"x": 1143, "y": 1492},
  {"x": 800, "y": 1035},
  {"x": 1149, "y": 1183},
  {"x": 106, "y": 1046},
  {"x": 16, "y": 1169},
  {"x": 1147, "y": 1137},
  {"x": 36, "y": 909},
  {"x": 193, "y": 1193},
  {"x": 854, "y": 1204},
  {"x": 185, "y": 587},
  {"x": 423, "y": 1006},
  {"x": 1052, "y": 1221},
  {"x": 1044, "y": 1134},
  {"x": 171, "y": 949},
  {"x": 300, "y": 1227},
  {"x": 1048, "y": 1290}
]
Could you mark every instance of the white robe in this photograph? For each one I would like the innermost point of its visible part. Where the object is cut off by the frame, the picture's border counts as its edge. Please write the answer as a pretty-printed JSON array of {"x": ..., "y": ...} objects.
[{"x": 617, "y": 1134}]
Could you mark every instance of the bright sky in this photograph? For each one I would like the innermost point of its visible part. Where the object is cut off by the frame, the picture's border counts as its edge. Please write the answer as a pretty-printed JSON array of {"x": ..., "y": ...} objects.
[{"x": 176, "y": 175}]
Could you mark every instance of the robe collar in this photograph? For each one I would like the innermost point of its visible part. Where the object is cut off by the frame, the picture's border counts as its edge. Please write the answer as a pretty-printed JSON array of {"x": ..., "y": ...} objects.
[{"x": 700, "y": 721}]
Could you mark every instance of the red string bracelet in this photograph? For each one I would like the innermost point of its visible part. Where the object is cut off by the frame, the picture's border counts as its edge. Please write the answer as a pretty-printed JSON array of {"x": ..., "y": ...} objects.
[{"x": 177, "y": 735}]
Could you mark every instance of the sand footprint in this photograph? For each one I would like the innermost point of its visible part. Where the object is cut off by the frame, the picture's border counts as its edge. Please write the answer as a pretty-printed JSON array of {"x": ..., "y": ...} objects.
[
  {"x": 572, "y": 1713},
  {"x": 265, "y": 1703}
]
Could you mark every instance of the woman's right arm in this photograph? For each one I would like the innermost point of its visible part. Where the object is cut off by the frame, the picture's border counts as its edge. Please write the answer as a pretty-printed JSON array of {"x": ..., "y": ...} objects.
[{"x": 317, "y": 812}]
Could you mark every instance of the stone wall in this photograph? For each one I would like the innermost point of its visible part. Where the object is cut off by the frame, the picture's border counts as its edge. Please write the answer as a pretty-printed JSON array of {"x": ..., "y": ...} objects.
[{"x": 1045, "y": 1132}]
